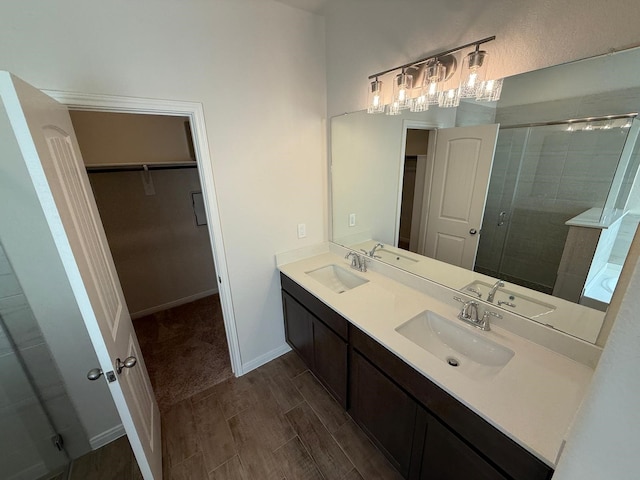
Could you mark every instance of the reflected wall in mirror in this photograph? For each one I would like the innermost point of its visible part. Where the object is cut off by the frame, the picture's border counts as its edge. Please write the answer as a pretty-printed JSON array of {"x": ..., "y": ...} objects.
[{"x": 558, "y": 210}]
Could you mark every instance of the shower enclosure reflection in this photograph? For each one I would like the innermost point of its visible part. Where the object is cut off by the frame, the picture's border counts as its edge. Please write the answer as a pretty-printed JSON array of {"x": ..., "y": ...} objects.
[{"x": 545, "y": 179}]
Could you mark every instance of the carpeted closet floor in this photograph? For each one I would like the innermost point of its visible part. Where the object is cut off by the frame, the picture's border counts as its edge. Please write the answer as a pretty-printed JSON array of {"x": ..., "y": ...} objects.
[{"x": 185, "y": 349}]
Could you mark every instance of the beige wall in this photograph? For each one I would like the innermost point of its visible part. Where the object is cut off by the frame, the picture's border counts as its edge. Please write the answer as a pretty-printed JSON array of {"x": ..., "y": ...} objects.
[
  {"x": 162, "y": 257},
  {"x": 108, "y": 138}
]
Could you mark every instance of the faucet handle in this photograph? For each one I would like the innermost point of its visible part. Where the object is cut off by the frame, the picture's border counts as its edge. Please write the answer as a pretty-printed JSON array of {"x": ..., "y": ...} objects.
[{"x": 489, "y": 313}]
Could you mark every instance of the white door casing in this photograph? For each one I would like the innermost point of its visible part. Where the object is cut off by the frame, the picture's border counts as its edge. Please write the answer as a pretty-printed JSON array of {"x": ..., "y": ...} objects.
[
  {"x": 461, "y": 173},
  {"x": 50, "y": 151}
]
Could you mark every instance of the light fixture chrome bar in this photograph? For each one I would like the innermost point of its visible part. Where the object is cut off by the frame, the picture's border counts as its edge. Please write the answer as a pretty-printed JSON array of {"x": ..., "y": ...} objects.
[
  {"x": 572, "y": 120},
  {"x": 437, "y": 55}
]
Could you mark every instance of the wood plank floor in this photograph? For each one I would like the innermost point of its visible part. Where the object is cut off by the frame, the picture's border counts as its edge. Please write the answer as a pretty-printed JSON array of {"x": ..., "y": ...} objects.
[{"x": 276, "y": 422}]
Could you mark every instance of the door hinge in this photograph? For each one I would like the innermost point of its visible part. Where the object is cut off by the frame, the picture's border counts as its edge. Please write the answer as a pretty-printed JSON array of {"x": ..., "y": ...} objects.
[
  {"x": 58, "y": 442},
  {"x": 219, "y": 279}
]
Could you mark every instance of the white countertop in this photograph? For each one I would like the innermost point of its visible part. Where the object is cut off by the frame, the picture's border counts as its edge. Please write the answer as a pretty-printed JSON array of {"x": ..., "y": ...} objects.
[
  {"x": 533, "y": 399},
  {"x": 572, "y": 318}
]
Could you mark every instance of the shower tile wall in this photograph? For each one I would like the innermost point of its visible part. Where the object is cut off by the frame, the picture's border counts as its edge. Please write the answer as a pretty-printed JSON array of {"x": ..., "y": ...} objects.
[
  {"x": 25, "y": 443},
  {"x": 559, "y": 175}
]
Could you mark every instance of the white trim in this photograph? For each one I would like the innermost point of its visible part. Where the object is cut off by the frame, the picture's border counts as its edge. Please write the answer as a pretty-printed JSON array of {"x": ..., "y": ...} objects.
[
  {"x": 38, "y": 470},
  {"x": 106, "y": 437},
  {"x": 266, "y": 358},
  {"x": 173, "y": 303},
  {"x": 195, "y": 112}
]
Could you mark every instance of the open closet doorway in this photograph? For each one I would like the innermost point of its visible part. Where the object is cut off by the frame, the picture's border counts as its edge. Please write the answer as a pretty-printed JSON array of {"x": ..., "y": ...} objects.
[{"x": 145, "y": 180}]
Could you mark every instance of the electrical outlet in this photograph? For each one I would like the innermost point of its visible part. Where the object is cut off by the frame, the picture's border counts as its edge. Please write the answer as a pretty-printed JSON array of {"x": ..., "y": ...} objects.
[
  {"x": 352, "y": 219},
  {"x": 302, "y": 230}
]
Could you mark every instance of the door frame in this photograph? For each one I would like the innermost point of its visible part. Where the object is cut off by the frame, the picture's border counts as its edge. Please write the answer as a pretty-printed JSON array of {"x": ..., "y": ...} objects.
[{"x": 195, "y": 112}]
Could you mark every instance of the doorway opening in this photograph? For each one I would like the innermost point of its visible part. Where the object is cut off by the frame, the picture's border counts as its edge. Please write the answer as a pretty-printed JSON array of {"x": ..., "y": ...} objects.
[
  {"x": 145, "y": 180},
  {"x": 415, "y": 178}
]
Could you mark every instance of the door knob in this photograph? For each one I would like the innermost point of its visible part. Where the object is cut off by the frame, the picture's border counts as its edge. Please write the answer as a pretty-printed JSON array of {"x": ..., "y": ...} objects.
[
  {"x": 473, "y": 231},
  {"x": 94, "y": 373},
  {"x": 129, "y": 362}
]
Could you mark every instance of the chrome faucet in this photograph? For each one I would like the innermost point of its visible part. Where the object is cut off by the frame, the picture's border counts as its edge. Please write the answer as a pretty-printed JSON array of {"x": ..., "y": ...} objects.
[
  {"x": 372, "y": 252},
  {"x": 358, "y": 262},
  {"x": 494, "y": 289},
  {"x": 469, "y": 314}
]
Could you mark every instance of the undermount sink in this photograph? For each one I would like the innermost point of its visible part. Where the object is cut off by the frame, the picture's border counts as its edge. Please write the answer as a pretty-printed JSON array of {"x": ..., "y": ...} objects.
[
  {"x": 512, "y": 301},
  {"x": 336, "y": 278},
  {"x": 468, "y": 352},
  {"x": 394, "y": 258}
]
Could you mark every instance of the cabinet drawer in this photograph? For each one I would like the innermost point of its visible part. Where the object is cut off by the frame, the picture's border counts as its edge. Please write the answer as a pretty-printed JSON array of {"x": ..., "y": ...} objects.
[{"x": 330, "y": 317}]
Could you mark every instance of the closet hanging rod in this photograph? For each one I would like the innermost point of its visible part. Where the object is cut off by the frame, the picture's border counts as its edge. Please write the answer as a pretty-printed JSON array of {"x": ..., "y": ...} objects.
[{"x": 138, "y": 167}]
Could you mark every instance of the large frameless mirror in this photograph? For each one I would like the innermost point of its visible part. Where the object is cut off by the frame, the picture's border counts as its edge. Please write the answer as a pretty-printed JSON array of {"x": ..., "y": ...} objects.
[{"x": 529, "y": 203}]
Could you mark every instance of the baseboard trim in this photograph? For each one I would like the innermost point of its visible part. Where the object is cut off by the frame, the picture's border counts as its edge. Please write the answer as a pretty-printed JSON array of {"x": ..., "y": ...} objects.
[
  {"x": 175, "y": 303},
  {"x": 39, "y": 470},
  {"x": 106, "y": 437},
  {"x": 266, "y": 358}
]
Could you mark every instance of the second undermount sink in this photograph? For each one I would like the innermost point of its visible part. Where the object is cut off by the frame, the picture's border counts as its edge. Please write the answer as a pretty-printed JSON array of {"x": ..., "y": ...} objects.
[
  {"x": 510, "y": 300},
  {"x": 395, "y": 258},
  {"x": 336, "y": 278},
  {"x": 468, "y": 352}
]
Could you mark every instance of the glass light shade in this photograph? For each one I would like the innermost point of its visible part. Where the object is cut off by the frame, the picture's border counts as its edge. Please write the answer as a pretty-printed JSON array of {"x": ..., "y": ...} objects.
[
  {"x": 375, "y": 101},
  {"x": 402, "y": 90},
  {"x": 432, "y": 86},
  {"x": 474, "y": 71},
  {"x": 490, "y": 90},
  {"x": 420, "y": 103},
  {"x": 450, "y": 98},
  {"x": 394, "y": 108}
]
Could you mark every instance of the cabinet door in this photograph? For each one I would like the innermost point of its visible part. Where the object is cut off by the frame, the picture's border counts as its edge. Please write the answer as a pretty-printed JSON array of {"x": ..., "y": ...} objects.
[
  {"x": 383, "y": 410},
  {"x": 298, "y": 325},
  {"x": 446, "y": 457},
  {"x": 330, "y": 361}
]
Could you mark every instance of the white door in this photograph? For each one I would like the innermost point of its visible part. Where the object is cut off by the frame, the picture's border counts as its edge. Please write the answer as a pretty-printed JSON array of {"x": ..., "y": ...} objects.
[
  {"x": 50, "y": 151},
  {"x": 461, "y": 172}
]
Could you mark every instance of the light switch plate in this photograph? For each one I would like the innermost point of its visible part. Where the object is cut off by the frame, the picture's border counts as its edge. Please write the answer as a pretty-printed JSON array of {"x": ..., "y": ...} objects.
[
  {"x": 352, "y": 219},
  {"x": 302, "y": 230}
]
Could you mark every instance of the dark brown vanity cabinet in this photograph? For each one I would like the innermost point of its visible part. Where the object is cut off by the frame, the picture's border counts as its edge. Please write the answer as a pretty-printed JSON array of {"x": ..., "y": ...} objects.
[
  {"x": 424, "y": 432},
  {"x": 383, "y": 410},
  {"x": 319, "y": 335}
]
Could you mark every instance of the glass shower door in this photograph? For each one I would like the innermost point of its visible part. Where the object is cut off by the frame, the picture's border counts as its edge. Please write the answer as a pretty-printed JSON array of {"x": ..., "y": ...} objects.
[{"x": 28, "y": 450}]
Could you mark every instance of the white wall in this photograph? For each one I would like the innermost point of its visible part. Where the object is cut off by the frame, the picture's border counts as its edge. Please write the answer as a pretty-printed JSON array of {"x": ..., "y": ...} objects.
[
  {"x": 364, "y": 37},
  {"x": 258, "y": 69},
  {"x": 604, "y": 440},
  {"x": 366, "y": 156}
]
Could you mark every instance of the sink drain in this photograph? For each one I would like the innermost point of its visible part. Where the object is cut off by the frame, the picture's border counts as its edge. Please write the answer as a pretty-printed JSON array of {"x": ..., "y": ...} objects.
[{"x": 454, "y": 362}]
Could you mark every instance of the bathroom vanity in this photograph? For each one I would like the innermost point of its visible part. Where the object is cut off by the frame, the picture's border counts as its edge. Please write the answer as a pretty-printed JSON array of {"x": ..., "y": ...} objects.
[{"x": 501, "y": 413}]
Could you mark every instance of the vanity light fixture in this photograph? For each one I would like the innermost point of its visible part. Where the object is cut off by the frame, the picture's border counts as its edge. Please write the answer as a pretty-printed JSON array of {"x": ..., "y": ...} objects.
[
  {"x": 435, "y": 88},
  {"x": 376, "y": 98}
]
